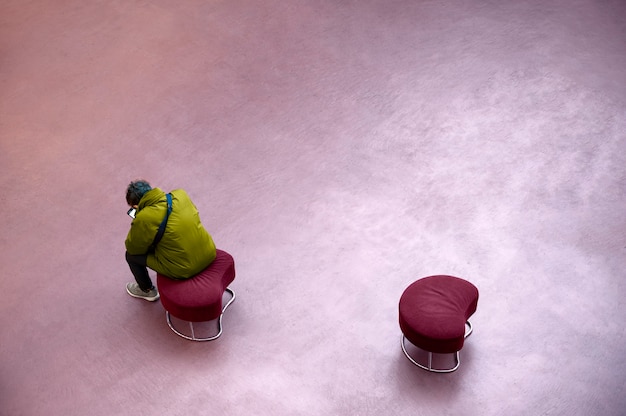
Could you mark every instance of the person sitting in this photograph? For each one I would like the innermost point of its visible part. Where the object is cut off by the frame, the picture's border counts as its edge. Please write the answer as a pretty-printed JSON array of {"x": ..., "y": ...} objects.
[{"x": 185, "y": 248}]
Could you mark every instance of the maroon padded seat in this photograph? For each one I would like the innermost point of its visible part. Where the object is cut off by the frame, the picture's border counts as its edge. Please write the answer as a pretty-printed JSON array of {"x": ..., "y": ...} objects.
[
  {"x": 198, "y": 298},
  {"x": 434, "y": 311}
]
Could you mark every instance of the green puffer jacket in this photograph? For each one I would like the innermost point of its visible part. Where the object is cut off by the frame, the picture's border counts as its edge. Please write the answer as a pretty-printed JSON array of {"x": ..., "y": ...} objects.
[{"x": 186, "y": 247}]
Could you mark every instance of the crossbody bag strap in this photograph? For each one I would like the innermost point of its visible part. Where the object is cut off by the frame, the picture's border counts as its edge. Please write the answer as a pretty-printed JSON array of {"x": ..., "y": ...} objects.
[{"x": 159, "y": 234}]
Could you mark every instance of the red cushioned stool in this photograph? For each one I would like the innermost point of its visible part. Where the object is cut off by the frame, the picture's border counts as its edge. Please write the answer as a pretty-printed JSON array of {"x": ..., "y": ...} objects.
[
  {"x": 199, "y": 298},
  {"x": 434, "y": 313}
]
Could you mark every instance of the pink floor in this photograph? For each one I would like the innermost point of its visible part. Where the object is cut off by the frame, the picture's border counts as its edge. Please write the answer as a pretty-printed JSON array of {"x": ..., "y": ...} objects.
[{"x": 339, "y": 150}]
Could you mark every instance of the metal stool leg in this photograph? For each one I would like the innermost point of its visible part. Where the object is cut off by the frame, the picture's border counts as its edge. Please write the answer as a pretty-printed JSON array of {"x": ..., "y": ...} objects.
[
  {"x": 193, "y": 335},
  {"x": 457, "y": 358}
]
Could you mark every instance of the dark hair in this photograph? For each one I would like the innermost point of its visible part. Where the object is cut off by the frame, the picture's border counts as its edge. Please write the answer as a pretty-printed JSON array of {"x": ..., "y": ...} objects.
[{"x": 135, "y": 191}]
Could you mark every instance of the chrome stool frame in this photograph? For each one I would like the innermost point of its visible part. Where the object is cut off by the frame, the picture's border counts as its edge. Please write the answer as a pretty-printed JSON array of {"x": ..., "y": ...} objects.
[
  {"x": 430, "y": 368},
  {"x": 193, "y": 335}
]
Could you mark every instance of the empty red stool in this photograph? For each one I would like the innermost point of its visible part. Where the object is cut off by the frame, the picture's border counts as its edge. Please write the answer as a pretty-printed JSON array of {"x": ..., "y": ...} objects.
[
  {"x": 199, "y": 298},
  {"x": 434, "y": 317}
]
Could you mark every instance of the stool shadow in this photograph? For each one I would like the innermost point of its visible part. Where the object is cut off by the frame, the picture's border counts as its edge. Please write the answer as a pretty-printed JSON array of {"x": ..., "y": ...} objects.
[{"x": 424, "y": 386}]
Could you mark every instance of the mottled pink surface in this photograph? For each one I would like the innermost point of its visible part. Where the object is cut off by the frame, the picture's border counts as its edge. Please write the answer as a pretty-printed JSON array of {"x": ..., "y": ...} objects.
[{"x": 339, "y": 150}]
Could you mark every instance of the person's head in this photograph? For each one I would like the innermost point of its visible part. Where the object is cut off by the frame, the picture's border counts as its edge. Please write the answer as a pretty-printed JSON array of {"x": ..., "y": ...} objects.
[{"x": 135, "y": 191}]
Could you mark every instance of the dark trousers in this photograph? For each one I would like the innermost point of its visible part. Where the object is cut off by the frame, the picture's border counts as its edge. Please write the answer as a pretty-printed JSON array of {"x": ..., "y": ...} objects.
[{"x": 139, "y": 267}]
